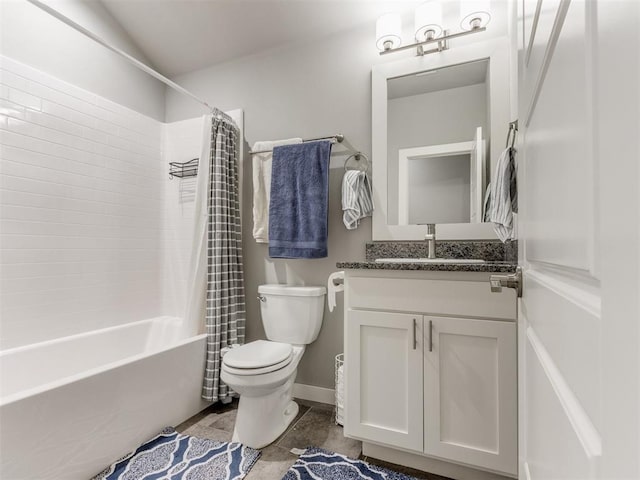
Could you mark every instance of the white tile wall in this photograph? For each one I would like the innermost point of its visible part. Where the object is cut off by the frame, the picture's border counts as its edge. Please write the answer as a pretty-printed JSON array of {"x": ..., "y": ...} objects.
[
  {"x": 81, "y": 209},
  {"x": 181, "y": 142}
]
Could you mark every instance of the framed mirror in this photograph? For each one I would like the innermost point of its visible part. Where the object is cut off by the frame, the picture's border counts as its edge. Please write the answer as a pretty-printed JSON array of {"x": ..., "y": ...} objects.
[{"x": 433, "y": 120}]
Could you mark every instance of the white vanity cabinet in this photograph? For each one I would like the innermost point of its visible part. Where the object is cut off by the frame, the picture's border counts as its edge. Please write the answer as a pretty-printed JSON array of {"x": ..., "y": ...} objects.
[
  {"x": 387, "y": 398},
  {"x": 430, "y": 363}
]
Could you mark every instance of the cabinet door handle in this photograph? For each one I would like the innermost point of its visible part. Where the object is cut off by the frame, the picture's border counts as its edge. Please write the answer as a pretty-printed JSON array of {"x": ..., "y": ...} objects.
[
  {"x": 431, "y": 335},
  {"x": 415, "y": 337}
]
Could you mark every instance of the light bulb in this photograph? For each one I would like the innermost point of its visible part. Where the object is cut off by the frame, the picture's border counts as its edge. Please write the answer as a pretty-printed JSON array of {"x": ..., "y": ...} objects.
[
  {"x": 388, "y": 31},
  {"x": 428, "y": 21},
  {"x": 474, "y": 14}
]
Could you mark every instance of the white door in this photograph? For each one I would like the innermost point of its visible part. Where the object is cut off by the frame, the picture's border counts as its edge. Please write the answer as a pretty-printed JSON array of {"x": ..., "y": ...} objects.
[
  {"x": 477, "y": 178},
  {"x": 579, "y": 369},
  {"x": 470, "y": 392},
  {"x": 384, "y": 378}
]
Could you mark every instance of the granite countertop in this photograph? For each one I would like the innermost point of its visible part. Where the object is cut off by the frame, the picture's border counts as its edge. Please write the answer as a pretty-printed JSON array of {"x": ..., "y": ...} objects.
[
  {"x": 498, "y": 257},
  {"x": 499, "y": 267}
]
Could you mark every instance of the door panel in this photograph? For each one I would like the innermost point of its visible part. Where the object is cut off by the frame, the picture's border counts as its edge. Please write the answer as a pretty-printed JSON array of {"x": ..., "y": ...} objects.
[
  {"x": 384, "y": 378},
  {"x": 557, "y": 452},
  {"x": 539, "y": 18},
  {"x": 560, "y": 317},
  {"x": 457, "y": 425},
  {"x": 470, "y": 392},
  {"x": 477, "y": 174},
  {"x": 558, "y": 149},
  {"x": 570, "y": 332}
]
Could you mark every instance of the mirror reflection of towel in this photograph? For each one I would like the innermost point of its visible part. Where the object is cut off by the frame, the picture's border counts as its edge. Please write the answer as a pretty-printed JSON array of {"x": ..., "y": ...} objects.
[{"x": 298, "y": 212}]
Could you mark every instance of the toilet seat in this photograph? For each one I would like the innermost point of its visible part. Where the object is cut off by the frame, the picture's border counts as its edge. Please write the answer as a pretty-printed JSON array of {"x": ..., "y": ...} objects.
[{"x": 257, "y": 358}]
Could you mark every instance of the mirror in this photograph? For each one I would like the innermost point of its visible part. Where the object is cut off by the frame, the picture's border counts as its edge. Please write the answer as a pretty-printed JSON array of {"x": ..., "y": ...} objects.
[
  {"x": 433, "y": 119},
  {"x": 436, "y": 120}
]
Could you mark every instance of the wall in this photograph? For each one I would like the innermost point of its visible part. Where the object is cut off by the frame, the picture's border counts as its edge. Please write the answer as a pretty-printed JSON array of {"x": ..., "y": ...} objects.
[
  {"x": 308, "y": 91},
  {"x": 81, "y": 202},
  {"x": 31, "y": 36},
  {"x": 436, "y": 118},
  {"x": 181, "y": 142}
]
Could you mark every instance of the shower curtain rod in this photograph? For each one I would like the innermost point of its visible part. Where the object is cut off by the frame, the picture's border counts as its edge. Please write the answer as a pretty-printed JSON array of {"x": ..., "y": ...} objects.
[{"x": 135, "y": 62}]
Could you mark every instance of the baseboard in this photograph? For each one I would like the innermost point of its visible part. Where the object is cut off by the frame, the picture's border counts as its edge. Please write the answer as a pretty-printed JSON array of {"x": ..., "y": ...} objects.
[{"x": 314, "y": 394}]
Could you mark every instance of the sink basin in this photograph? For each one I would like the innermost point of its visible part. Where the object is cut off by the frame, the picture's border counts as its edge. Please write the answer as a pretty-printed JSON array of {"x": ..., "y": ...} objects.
[{"x": 429, "y": 260}]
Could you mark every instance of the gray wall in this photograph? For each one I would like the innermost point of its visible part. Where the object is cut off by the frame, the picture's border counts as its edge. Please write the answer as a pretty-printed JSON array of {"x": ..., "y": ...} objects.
[
  {"x": 445, "y": 116},
  {"x": 308, "y": 91},
  {"x": 33, "y": 37}
]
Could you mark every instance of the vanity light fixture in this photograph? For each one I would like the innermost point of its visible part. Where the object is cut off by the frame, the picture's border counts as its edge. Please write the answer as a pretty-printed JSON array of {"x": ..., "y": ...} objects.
[
  {"x": 474, "y": 14},
  {"x": 428, "y": 21},
  {"x": 389, "y": 32}
]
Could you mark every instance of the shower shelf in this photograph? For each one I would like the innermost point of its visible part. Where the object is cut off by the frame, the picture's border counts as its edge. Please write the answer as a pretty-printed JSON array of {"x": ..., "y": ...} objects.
[{"x": 183, "y": 169}]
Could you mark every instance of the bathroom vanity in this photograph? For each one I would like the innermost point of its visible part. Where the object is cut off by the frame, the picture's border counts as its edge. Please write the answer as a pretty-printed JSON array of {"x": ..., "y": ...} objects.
[
  {"x": 430, "y": 355},
  {"x": 430, "y": 349}
]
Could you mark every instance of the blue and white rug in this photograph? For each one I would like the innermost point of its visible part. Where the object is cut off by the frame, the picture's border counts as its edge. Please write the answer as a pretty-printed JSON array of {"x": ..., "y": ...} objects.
[
  {"x": 319, "y": 464},
  {"x": 174, "y": 456}
]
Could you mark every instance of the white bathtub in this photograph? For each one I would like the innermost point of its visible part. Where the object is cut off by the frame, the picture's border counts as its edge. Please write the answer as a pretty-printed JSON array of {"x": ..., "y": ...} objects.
[{"x": 70, "y": 407}]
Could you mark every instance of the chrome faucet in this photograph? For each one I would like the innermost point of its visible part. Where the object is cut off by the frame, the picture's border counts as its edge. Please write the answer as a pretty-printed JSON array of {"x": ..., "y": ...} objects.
[{"x": 430, "y": 237}]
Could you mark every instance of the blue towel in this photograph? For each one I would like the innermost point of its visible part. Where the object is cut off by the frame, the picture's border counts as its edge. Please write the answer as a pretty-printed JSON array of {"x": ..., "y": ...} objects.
[{"x": 299, "y": 200}]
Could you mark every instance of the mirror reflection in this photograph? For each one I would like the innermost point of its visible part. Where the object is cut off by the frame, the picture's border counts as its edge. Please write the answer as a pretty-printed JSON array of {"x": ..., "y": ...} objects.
[{"x": 437, "y": 132}]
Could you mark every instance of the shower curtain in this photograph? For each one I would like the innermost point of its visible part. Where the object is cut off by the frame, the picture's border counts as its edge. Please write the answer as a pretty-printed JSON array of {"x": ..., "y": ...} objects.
[{"x": 216, "y": 289}]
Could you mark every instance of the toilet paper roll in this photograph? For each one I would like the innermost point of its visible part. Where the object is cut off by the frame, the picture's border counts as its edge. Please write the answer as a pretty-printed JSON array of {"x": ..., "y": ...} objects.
[{"x": 334, "y": 284}]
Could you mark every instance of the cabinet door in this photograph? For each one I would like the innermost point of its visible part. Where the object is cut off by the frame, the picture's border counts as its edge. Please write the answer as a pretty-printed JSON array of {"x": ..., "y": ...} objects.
[
  {"x": 471, "y": 392},
  {"x": 384, "y": 390}
]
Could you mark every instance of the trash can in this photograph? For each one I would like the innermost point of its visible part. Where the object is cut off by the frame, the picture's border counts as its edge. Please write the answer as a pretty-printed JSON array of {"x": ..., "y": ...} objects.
[{"x": 340, "y": 389}]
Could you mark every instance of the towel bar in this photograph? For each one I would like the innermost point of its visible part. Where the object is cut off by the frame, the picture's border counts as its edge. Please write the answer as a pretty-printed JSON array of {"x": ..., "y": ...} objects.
[{"x": 337, "y": 138}]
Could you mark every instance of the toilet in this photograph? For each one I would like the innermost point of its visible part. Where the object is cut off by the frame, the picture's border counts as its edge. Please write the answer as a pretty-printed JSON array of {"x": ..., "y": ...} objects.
[{"x": 263, "y": 372}]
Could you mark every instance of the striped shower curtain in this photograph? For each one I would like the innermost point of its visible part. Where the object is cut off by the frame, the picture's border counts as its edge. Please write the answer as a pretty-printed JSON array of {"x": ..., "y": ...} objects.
[{"x": 225, "y": 307}]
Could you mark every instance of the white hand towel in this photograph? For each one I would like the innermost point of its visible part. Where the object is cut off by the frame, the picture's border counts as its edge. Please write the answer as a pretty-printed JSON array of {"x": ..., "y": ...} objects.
[
  {"x": 357, "y": 201},
  {"x": 502, "y": 188},
  {"x": 262, "y": 185}
]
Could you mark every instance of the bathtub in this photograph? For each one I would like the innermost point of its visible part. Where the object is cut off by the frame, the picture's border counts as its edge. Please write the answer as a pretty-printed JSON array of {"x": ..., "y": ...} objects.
[{"x": 69, "y": 407}]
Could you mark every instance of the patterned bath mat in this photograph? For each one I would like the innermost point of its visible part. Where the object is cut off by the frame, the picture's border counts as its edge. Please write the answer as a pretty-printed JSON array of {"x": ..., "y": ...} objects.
[
  {"x": 174, "y": 456},
  {"x": 319, "y": 464}
]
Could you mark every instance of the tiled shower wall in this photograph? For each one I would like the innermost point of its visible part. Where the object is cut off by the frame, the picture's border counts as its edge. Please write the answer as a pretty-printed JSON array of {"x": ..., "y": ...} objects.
[
  {"x": 181, "y": 142},
  {"x": 81, "y": 210}
]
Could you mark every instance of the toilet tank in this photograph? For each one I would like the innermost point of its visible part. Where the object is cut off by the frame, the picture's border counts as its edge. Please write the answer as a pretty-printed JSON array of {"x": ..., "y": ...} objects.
[{"x": 290, "y": 313}]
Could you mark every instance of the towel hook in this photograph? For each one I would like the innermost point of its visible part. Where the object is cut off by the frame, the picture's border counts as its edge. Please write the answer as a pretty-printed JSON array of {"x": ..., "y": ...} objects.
[
  {"x": 357, "y": 156},
  {"x": 511, "y": 135}
]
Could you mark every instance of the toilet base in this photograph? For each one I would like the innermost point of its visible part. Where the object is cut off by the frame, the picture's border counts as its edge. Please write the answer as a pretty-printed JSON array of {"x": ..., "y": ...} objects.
[{"x": 262, "y": 419}]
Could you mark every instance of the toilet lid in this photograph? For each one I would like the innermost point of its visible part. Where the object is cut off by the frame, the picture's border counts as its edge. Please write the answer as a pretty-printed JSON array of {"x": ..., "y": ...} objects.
[
  {"x": 256, "y": 371},
  {"x": 258, "y": 354}
]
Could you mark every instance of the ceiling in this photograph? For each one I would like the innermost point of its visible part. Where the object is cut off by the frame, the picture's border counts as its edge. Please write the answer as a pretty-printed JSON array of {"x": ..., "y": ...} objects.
[
  {"x": 179, "y": 36},
  {"x": 462, "y": 75}
]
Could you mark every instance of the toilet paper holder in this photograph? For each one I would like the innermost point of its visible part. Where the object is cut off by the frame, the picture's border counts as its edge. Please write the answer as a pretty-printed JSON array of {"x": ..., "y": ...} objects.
[{"x": 335, "y": 284}]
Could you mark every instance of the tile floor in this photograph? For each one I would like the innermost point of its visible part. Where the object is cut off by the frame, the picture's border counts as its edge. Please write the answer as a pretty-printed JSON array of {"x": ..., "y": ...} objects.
[{"x": 313, "y": 426}]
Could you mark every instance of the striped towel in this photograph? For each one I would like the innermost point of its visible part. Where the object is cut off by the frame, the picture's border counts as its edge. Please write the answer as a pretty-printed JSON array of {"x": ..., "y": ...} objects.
[
  {"x": 504, "y": 195},
  {"x": 357, "y": 201}
]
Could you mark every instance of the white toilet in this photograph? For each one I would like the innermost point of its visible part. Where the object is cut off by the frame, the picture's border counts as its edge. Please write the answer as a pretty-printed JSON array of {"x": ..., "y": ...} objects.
[{"x": 263, "y": 372}]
